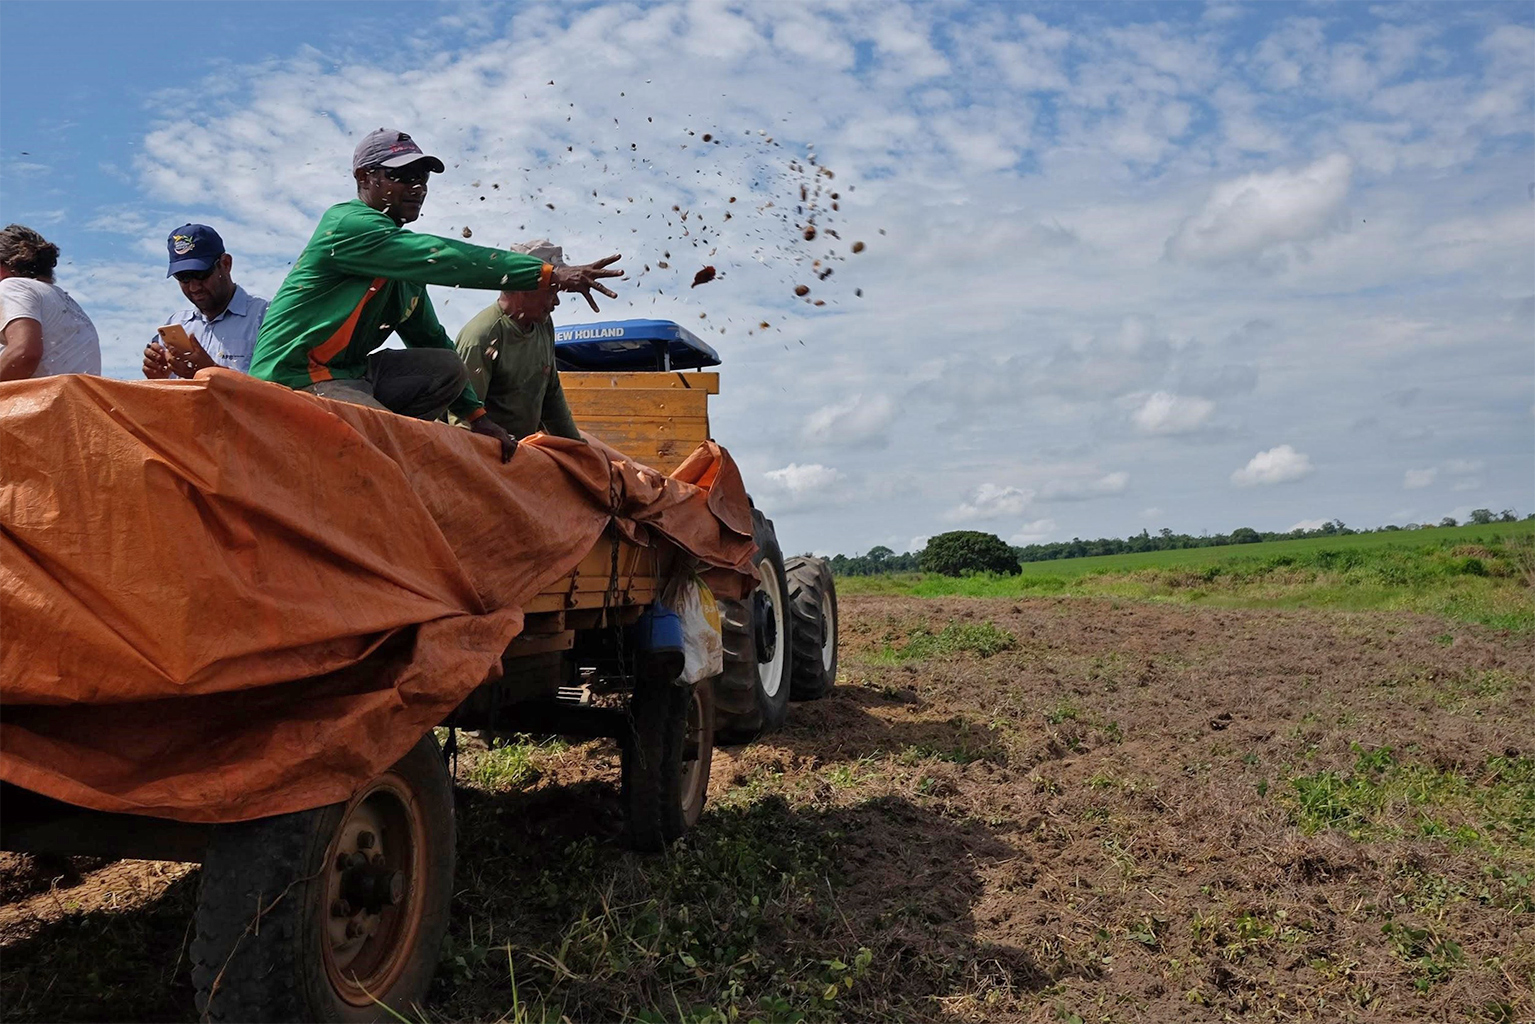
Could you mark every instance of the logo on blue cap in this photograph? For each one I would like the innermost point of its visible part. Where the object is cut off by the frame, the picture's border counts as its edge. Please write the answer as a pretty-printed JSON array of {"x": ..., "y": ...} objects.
[{"x": 193, "y": 247}]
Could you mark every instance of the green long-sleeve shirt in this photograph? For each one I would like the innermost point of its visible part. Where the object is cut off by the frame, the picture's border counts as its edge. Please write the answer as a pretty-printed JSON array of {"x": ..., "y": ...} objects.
[
  {"x": 513, "y": 368},
  {"x": 363, "y": 277}
]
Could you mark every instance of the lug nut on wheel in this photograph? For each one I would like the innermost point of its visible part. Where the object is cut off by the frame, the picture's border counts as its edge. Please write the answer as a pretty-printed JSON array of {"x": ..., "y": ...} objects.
[
  {"x": 341, "y": 908},
  {"x": 365, "y": 840}
]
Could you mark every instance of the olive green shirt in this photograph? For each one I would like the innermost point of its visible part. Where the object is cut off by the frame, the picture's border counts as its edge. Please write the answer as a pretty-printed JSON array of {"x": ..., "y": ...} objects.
[{"x": 514, "y": 369}]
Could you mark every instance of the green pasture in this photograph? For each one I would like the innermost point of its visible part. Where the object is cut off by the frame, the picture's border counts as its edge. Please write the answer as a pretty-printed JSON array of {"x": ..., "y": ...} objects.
[{"x": 1474, "y": 573}]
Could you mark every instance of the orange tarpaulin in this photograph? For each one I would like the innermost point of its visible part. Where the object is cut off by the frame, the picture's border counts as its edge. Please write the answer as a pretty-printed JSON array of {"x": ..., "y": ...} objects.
[{"x": 221, "y": 599}]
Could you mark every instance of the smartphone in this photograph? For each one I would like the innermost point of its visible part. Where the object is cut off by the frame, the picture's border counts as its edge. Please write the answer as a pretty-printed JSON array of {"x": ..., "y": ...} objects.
[{"x": 176, "y": 339}]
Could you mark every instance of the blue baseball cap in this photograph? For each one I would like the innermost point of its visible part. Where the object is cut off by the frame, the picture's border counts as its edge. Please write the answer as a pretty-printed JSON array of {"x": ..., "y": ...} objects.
[{"x": 193, "y": 247}]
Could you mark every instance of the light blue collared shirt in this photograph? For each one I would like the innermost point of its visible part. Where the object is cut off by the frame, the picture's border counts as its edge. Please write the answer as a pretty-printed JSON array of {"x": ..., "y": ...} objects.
[{"x": 229, "y": 337}]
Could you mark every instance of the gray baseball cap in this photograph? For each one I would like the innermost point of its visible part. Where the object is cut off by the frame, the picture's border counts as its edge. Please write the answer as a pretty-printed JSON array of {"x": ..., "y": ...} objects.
[
  {"x": 390, "y": 147},
  {"x": 541, "y": 248}
]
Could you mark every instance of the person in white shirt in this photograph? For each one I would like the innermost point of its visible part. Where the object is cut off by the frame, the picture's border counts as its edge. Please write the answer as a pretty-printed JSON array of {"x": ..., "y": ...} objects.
[
  {"x": 224, "y": 319},
  {"x": 43, "y": 331}
]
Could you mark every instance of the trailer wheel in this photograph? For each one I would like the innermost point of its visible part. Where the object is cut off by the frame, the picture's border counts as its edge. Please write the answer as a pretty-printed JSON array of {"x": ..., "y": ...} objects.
[
  {"x": 333, "y": 914},
  {"x": 812, "y": 627},
  {"x": 651, "y": 764},
  {"x": 752, "y": 692},
  {"x": 698, "y": 755}
]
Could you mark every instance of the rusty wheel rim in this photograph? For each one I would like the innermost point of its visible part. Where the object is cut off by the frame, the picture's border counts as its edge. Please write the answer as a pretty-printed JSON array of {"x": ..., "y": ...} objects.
[{"x": 373, "y": 904}]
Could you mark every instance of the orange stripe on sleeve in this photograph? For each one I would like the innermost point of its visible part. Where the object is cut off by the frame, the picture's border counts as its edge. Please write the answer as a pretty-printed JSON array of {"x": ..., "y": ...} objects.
[{"x": 333, "y": 346}]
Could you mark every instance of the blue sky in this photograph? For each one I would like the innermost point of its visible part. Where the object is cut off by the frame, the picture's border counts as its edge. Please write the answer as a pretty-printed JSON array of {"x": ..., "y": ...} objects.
[{"x": 1187, "y": 265}]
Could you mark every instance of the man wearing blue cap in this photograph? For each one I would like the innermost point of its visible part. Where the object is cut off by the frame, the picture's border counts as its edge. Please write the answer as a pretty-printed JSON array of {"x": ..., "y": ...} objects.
[
  {"x": 224, "y": 319},
  {"x": 363, "y": 278}
]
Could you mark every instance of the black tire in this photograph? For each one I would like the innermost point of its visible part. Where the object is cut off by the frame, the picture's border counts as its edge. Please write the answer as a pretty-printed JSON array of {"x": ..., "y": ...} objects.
[
  {"x": 812, "y": 627},
  {"x": 698, "y": 755},
  {"x": 651, "y": 764},
  {"x": 752, "y": 696},
  {"x": 274, "y": 941}
]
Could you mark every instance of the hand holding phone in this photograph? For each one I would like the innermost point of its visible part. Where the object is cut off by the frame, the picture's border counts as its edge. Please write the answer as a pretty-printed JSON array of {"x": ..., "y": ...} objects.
[
  {"x": 176, "y": 339},
  {"x": 187, "y": 356}
]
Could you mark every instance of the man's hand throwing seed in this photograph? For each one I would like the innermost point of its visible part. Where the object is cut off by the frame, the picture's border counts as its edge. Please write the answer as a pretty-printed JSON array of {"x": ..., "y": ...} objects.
[{"x": 584, "y": 279}]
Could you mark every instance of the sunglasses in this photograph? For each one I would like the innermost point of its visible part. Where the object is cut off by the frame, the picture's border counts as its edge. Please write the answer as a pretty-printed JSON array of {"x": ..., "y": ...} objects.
[
  {"x": 196, "y": 275},
  {"x": 406, "y": 175}
]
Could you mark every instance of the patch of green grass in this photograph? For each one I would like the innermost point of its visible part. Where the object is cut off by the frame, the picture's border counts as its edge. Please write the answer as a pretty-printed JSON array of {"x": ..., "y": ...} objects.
[
  {"x": 1065, "y": 711},
  {"x": 1431, "y": 956},
  {"x": 983, "y": 639},
  {"x": 512, "y": 764},
  {"x": 1480, "y": 574},
  {"x": 1381, "y": 796},
  {"x": 850, "y": 774},
  {"x": 696, "y": 936}
]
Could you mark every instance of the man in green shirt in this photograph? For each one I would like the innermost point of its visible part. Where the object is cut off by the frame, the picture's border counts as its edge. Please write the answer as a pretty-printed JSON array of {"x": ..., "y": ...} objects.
[
  {"x": 509, "y": 349},
  {"x": 363, "y": 277}
]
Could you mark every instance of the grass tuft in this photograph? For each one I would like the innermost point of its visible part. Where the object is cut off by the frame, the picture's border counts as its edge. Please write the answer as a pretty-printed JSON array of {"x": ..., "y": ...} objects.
[{"x": 981, "y": 639}]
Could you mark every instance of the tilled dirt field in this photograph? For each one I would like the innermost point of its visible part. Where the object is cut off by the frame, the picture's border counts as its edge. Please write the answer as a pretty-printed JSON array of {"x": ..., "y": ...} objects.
[{"x": 1008, "y": 810}]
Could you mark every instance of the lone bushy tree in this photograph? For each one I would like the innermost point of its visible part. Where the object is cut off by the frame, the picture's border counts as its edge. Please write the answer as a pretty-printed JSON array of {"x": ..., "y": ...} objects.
[{"x": 962, "y": 551}]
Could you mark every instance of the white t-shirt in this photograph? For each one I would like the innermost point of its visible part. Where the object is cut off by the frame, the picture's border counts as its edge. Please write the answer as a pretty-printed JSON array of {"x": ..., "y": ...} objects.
[{"x": 70, "y": 344}]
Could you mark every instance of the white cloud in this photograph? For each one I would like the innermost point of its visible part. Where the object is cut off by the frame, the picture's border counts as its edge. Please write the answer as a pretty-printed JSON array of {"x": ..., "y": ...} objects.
[
  {"x": 1248, "y": 215},
  {"x": 1276, "y": 466},
  {"x": 1163, "y": 413},
  {"x": 800, "y": 480},
  {"x": 1462, "y": 467},
  {"x": 856, "y": 421},
  {"x": 1413, "y": 479},
  {"x": 1036, "y": 532},
  {"x": 990, "y": 501},
  {"x": 1083, "y": 488},
  {"x": 1307, "y": 524}
]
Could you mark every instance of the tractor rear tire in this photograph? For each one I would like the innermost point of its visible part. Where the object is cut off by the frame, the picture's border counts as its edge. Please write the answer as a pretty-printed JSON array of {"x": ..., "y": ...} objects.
[
  {"x": 812, "y": 628},
  {"x": 332, "y": 914},
  {"x": 752, "y": 692}
]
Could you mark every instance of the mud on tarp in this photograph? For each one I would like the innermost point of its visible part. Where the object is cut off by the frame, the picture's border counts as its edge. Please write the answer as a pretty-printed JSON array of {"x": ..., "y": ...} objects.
[{"x": 221, "y": 599}]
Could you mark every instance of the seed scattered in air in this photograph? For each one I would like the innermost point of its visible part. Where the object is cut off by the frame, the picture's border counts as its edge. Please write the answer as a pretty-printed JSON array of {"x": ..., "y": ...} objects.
[
  {"x": 801, "y": 289},
  {"x": 704, "y": 276},
  {"x": 468, "y": 233},
  {"x": 858, "y": 246}
]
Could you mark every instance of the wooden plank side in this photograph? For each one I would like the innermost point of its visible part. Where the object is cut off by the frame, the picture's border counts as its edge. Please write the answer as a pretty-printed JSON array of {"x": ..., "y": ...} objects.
[
  {"x": 709, "y": 383},
  {"x": 662, "y": 456},
  {"x": 631, "y": 403},
  {"x": 630, "y": 437}
]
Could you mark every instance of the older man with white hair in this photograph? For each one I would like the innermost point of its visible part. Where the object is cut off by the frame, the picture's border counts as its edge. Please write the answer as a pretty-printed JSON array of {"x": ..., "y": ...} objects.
[{"x": 509, "y": 350}]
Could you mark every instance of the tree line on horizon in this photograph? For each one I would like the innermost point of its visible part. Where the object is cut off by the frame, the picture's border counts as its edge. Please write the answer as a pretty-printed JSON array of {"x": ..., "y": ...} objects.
[{"x": 961, "y": 551}]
